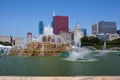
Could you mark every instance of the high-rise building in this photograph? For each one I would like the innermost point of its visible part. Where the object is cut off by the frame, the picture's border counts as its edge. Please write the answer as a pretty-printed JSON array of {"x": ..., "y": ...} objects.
[
  {"x": 60, "y": 23},
  {"x": 118, "y": 32},
  {"x": 108, "y": 37},
  {"x": 84, "y": 31},
  {"x": 104, "y": 27},
  {"x": 41, "y": 27},
  {"x": 107, "y": 27},
  {"x": 29, "y": 37},
  {"x": 66, "y": 36},
  {"x": 113, "y": 36},
  {"x": 95, "y": 29},
  {"x": 6, "y": 39},
  {"x": 77, "y": 34},
  {"x": 19, "y": 42}
]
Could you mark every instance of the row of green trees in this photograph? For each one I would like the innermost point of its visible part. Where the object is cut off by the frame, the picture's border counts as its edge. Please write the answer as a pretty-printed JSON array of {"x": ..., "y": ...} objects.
[
  {"x": 114, "y": 43},
  {"x": 97, "y": 43},
  {"x": 5, "y": 43}
]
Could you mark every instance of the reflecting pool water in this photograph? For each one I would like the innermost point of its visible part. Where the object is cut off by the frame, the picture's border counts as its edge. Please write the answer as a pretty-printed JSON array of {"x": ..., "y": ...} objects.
[{"x": 58, "y": 66}]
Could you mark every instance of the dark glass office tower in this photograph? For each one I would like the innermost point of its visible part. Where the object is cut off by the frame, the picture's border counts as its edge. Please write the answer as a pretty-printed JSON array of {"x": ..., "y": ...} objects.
[
  {"x": 84, "y": 31},
  {"x": 41, "y": 27}
]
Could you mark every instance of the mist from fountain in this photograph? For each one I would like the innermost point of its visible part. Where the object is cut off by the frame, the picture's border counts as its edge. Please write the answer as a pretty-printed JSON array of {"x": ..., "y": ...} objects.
[
  {"x": 4, "y": 50},
  {"x": 81, "y": 54},
  {"x": 56, "y": 39}
]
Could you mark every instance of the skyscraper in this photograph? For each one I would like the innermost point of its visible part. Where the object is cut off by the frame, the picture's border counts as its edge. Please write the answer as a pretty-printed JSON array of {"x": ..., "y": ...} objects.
[
  {"x": 104, "y": 27},
  {"x": 41, "y": 27},
  {"x": 84, "y": 31},
  {"x": 77, "y": 34},
  {"x": 19, "y": 42},
  {"x": 118, "y": 32},
  {"x": 6, "y": 39},
  {"x": 29, "y": 37},
  {"x": 95, "y": 29},
  {"x": 60, "y": 23}
]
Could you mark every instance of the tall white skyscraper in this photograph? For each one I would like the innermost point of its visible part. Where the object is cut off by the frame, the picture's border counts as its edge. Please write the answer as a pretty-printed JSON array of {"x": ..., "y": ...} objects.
[{"x": 77, "y": 34}]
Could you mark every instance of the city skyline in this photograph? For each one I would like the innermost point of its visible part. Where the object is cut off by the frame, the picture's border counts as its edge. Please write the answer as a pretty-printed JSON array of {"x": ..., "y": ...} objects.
[{"x": 17, "y": 17}]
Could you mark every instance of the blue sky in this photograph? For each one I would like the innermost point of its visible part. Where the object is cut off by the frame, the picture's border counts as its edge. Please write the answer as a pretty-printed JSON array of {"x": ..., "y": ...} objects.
[{"x": 17, "y": 17}]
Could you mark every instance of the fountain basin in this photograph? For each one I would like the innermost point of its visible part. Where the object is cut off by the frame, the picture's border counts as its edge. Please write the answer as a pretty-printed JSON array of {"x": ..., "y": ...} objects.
[
  {"x": 118, "y": 53},
  {"x": 111, "y": 51},
  {"x": 82, "y": 60},
  {"x": 64, "y": 54}
]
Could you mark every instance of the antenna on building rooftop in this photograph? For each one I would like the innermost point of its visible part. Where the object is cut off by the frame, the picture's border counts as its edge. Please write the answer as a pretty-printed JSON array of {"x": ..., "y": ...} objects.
[{"x": 53, "y": 13}]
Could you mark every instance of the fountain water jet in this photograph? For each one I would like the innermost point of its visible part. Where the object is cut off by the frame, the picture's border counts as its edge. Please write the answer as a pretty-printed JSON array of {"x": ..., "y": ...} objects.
[
  {"x": 79, "y": 53},
  {"x": 104, "y": 51},
  {"x": 4, "y": 50},
  {"x": 42, "y": 49}
]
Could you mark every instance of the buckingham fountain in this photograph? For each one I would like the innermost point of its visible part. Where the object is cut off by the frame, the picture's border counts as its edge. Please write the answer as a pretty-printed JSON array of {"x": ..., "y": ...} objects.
[
  {"x": 54, "y": 45},
  {"x": 44, "y": 45}
]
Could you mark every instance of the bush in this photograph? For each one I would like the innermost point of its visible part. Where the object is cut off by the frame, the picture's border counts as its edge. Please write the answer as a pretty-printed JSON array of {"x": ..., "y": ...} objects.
[{"x": 5, "y": 43}]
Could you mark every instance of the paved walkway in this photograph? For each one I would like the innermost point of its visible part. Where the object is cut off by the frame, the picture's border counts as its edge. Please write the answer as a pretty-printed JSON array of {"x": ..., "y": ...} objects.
[{"x": 60, "y": 78}]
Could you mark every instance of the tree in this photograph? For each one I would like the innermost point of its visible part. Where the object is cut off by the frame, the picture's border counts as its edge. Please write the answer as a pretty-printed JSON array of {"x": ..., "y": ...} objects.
[
  {"x": 5, "y": 43},
  {"x": 97, "y": 43},
  {"x": 91, "y": 41}
]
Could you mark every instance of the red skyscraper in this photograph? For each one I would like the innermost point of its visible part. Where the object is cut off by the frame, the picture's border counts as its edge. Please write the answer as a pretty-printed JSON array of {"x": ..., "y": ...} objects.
[{"x": 60, "y": 23}]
